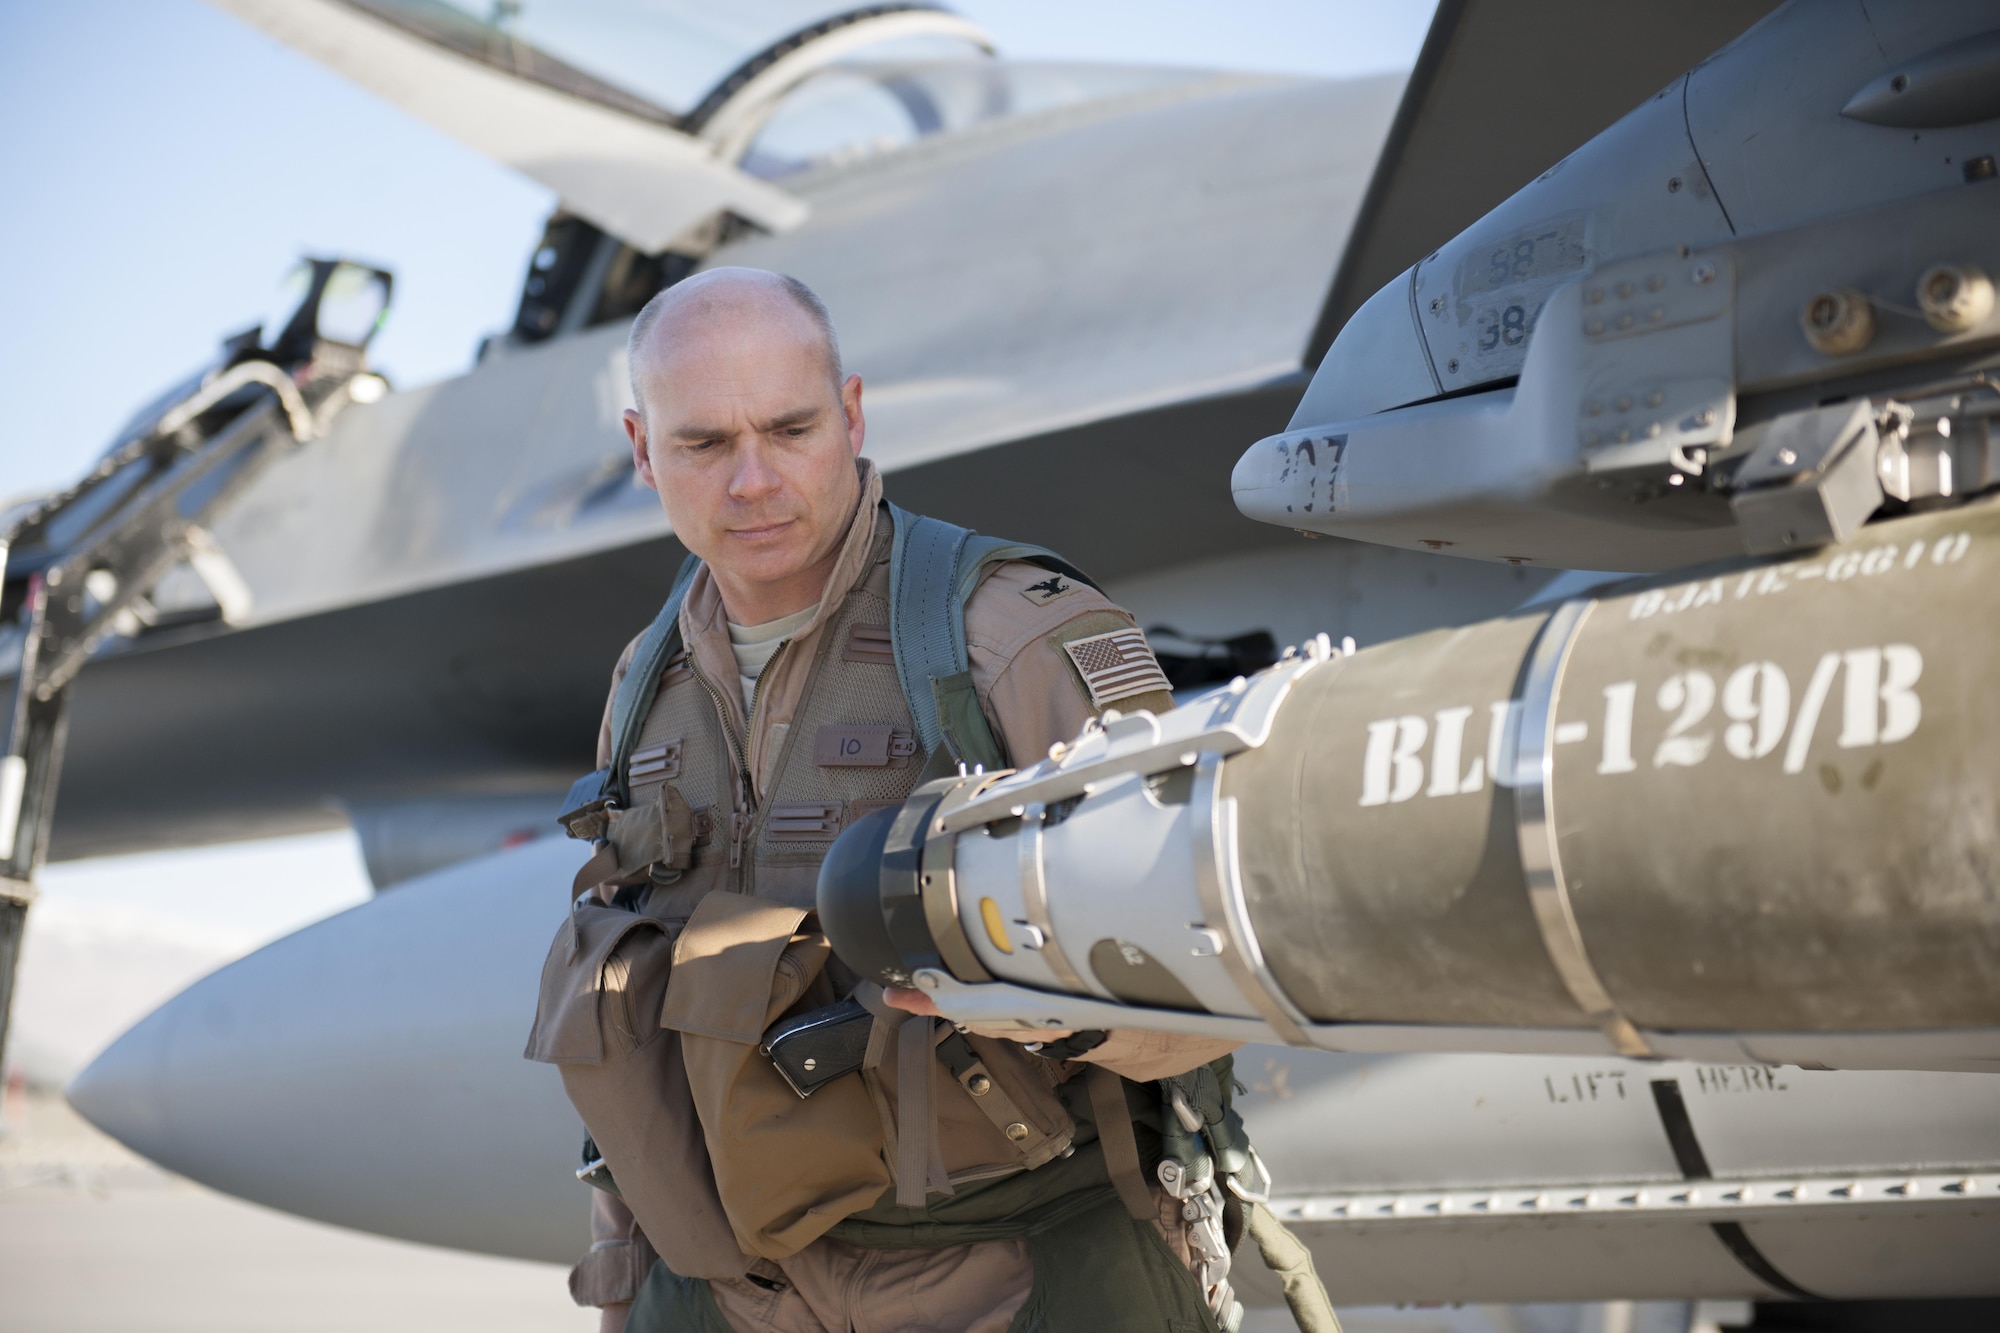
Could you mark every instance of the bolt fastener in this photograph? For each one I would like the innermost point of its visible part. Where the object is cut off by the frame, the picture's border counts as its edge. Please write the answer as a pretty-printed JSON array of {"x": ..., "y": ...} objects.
[
  {"x": 1954, "y": 297},
  {"x": 1838, "y": 322}
]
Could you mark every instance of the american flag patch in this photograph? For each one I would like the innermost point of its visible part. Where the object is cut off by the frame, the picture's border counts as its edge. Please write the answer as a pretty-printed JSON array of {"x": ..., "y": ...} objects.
[{"x": 1116, "y": 666}]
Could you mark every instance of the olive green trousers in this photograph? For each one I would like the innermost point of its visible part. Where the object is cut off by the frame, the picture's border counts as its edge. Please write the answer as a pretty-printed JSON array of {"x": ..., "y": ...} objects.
[{"x": 1096, "y": 1271}]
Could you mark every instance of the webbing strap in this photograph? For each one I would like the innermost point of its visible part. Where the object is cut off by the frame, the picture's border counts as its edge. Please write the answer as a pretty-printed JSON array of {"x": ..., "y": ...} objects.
[
  {"x": 642, "y": 679},
  {"x": 1121, "y": 1145},
  {"x": 919, "y": 1151},
  {"x": 934, "y": 566},
  {"x": 928, "y": 640},
  {"x": 1292, "y": 1263}
]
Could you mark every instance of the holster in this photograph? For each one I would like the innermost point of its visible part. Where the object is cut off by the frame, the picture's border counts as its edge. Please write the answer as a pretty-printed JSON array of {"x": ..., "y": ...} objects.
[{"x": 788, "y": 1169}]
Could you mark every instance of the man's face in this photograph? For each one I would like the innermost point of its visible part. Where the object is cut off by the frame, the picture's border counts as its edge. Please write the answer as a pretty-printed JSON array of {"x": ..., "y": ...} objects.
[{"x": 751, "y": 448}]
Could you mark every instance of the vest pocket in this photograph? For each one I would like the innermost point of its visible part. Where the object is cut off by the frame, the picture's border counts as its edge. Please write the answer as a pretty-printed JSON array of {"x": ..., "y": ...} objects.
[
  {"x": 655, "y": 839},
  {"x": 786, "y": 1168},
  {"x": 593, "y": 1003},
  {"x": 597, "y": 1020}
]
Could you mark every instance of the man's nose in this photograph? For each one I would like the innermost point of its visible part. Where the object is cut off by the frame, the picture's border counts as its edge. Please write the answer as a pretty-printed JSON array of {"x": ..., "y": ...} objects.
[{"x": 754, "y": 477}]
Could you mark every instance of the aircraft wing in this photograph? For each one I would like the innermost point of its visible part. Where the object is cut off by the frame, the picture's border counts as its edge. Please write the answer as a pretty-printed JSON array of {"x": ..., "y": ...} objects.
[
  {"x": 627, "y": 169},
  {"x": 1500, "y": 93},
  {"x": 1070, "y": 321}
]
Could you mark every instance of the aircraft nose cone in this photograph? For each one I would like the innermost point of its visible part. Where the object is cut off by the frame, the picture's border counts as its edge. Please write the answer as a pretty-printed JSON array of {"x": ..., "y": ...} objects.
[
  {"x": 117, "y": 1091},
  {"x": 367, "y": 1070}
]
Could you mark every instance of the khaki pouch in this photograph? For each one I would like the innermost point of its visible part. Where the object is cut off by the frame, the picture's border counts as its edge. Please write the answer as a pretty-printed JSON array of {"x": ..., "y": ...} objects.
[
  {"x": 788, "y": 1168},
  {"x": 659, "y": 831},
  {"x": 597, "y": 1020}
]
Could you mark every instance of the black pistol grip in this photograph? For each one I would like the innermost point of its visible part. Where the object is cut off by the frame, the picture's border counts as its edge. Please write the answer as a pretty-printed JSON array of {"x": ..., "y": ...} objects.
[{"x": 812, "y": 1049}]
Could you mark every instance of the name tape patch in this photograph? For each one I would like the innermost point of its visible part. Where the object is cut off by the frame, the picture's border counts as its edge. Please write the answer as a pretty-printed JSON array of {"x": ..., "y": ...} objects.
[{"x": 1116, "y": 666}]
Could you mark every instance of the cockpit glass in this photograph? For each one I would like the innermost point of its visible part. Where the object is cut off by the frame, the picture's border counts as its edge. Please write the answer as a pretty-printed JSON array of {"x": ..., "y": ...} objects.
[
  {"x": 650, "y": 57},
  {"x": 353, "y": 305},
  {"x": 680, "y": 62},
  {"x": 855, "y": 108},
  {"x": 836, "y": 116}
]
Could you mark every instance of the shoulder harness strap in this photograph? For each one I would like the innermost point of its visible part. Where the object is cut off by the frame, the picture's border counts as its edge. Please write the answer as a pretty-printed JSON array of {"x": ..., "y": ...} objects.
[
  {"x": 934, "y": 567},
  {"x": 660, "y": 642}
]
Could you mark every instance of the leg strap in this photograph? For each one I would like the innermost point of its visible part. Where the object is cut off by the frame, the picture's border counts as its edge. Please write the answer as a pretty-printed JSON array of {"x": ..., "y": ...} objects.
[{"x": 1287, "y": 1256}]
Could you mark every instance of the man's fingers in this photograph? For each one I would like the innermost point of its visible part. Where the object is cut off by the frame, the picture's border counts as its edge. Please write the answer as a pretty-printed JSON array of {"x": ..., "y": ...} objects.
[
  {"x": 916, "y": 1002},
  {"x": 1026, "y": 1036},
  {"x": 910, "y": 1001}
]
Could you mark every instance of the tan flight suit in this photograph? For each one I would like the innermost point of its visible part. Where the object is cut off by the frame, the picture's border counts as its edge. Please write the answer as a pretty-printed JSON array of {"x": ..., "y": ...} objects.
[{"x": 1033, "y": 695}]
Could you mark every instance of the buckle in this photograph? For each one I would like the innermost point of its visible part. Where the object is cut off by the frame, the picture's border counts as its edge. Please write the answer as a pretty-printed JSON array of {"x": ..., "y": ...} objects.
[{"x": 1260, "y": 1191}]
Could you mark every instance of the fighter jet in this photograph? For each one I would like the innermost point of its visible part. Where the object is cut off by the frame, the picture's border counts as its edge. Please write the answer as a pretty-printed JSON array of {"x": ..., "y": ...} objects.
[{"x": 1076, "y": 294}]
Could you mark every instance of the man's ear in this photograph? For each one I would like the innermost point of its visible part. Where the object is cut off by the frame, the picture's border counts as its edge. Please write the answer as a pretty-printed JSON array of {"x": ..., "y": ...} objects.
[
  {"x": 850, "y": 403},
  {"x": 642, "y": 459}
]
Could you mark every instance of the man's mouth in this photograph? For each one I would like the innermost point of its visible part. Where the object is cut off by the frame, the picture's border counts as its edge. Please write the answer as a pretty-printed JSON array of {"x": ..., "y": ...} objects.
[{"x": 762, "y": 533}]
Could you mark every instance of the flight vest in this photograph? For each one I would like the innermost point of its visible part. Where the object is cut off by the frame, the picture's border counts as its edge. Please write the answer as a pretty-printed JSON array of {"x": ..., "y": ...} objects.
[{"x": 716, "y": 894}]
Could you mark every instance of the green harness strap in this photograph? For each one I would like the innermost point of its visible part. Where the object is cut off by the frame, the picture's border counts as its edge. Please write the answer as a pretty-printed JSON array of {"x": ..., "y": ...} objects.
[
  {"x": 629, "y": 707},
  {"x": 934, "y": 567}
]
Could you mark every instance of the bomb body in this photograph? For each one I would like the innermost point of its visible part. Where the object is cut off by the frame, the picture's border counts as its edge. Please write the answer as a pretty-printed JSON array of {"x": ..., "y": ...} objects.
[{"x": 1750, "y": 810}]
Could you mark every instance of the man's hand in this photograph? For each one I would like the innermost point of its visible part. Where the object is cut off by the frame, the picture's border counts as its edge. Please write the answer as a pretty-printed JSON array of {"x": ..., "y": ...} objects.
[
  {"x": 611, "y": 1318},
  {"x": 916, "y": 1002}
]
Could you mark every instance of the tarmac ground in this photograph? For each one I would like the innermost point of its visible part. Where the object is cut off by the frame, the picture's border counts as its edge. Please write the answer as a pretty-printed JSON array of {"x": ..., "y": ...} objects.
[{"x": 96, "y": 1240}]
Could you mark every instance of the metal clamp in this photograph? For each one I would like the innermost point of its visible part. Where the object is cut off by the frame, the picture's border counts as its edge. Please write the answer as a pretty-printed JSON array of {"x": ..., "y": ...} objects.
[
  {"x": 1257, "y": 1189},
  {"x": 1035, "y": 901},
  {"x": 1240, "y": 717},
  {"x": 1210, "y": 1243},
  {"x": 937, "y": 881},
  {"x": 1220, "y": 883},
  {"x": 1535, "y": 826}
]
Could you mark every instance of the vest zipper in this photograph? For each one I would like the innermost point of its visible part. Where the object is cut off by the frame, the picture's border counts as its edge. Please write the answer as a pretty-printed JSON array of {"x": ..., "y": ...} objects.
[
  {"x": 741, "y": 821},
  {"x": 757, "y": 692},
  {"x": 742, "y": 825}
]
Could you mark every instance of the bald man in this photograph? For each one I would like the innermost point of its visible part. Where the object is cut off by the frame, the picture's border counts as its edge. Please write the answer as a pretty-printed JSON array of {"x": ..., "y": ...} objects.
[{"x": 1027, "y": 1206}]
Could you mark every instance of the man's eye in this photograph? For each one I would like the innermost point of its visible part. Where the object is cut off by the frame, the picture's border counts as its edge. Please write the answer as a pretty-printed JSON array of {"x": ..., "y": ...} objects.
[{"x": 796, "y": 432}]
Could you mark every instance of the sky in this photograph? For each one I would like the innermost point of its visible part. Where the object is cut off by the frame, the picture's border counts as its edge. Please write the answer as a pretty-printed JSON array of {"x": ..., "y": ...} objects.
[{"x": 165, "y": 165}]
